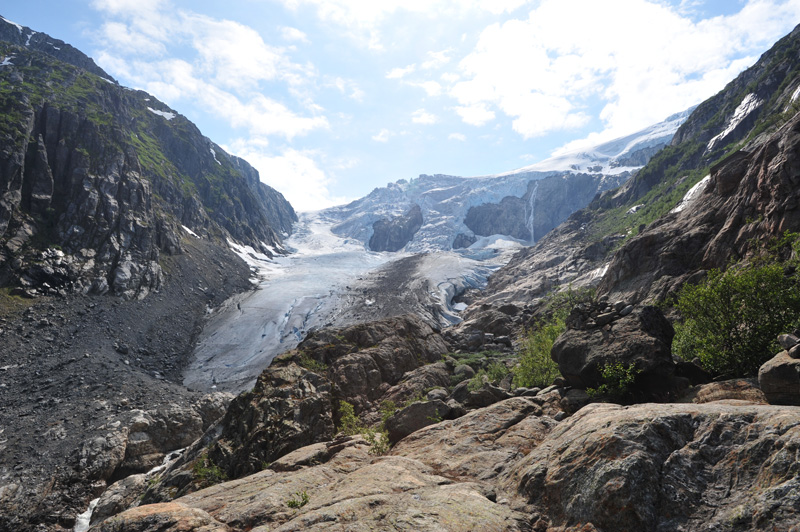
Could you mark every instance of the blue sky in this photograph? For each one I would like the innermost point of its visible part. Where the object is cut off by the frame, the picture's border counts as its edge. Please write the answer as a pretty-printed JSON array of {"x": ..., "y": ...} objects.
[{"x": 329, "y": 99}]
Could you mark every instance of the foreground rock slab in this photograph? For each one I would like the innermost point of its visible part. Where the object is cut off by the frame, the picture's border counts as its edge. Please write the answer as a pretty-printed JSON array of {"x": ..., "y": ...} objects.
[
  {"x": 165, "y": 517},
  {"x": 349, "y": 490},
  {"x": 666, "y": 467}
]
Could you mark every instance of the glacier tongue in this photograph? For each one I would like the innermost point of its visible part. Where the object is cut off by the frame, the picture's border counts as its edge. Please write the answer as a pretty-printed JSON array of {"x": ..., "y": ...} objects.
[{"x": 326, "y": 280}]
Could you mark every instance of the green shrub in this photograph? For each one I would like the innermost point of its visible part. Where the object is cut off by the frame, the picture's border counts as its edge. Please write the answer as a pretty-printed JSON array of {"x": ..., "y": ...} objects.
[
  {"x": 349, "y": 424},
  {"x": 207, "y": 472},
  {"x": 535, "y": 367},
  {"x": 378, "y": 440},
  {"x": 732, "y": 319},
  {"x": 496, "y": 372},
  {"x": 311, "y": 364},
  {"x": 387, "y": 410},
  {"x": 476, "y": 382},
  {"x": 618, "y": 378},
  {"x": 298, "y": 500}
]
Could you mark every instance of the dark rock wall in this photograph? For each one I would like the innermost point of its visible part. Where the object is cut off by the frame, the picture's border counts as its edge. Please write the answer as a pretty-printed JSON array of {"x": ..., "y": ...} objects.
[
  {"x": 393, "y": 234},
  {"x": 546, "y": 204}
]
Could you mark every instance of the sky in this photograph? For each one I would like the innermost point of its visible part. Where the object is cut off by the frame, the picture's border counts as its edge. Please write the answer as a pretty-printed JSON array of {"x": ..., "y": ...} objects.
[{"x": 329, "y": 99}]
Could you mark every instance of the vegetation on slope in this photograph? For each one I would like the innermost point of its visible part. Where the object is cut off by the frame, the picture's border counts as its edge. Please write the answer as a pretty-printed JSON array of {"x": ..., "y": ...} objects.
[{"x": 732, "y": 318}]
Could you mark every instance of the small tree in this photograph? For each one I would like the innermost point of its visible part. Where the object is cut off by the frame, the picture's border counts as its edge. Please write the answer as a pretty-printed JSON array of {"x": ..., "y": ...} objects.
[
  {"x": 535, "y": 367},
  {"x": 732, "y": 319}
]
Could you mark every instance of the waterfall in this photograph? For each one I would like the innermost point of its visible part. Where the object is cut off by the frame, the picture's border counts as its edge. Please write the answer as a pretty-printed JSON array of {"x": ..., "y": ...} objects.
[{"x": 530, "y": 211}]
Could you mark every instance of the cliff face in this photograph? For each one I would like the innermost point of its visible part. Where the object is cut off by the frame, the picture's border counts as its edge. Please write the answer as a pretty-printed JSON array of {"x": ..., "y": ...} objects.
[
  {"x": 545, "y": 204},
  {"x": 392, "y": 234},
  {"x": 103, "y": 178},
  {"x": 746, "y": 198}
]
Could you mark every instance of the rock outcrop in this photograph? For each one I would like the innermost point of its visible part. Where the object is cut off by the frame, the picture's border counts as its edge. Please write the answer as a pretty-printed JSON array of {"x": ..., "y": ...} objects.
[
  {"x": 779, "y": 379},
  {"x": 666, "y": 467},
  {"x": 642, "y": 339},
  {"x": 748, "y": 197},
  {"x": 393, "y": 234},
  {"x": 509, "y": 467}
]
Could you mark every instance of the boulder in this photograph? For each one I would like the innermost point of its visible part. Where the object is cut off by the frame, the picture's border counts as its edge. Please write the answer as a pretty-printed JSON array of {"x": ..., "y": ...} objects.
[
  {"x": 153, "y": 433},
  {"x": 212, "y": 407},
  {"x": 414, "y": 417},
  {"x": 642, "y": 338},
  {"x": 464, "y": 371},
  {"x": 730, "y": 390},
  {"x": 779, "y": 379},
  {"x": 415, "y": 381},
  {"x": 99, "y": 457},
  {"x": 486, "y": 395},
  {"x": 437, "y": 393},
  {"x": 119, "y": 496},
  {"x": 574, "y": 400}
]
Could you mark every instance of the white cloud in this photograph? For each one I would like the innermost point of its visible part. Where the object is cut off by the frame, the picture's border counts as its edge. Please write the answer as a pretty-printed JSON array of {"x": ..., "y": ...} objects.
[
  {"x": 421, "y": 116},
  {"x": 224, "y": 73},
  {"x": 399, "y": 72},
  {"x": 293, "y": 34},
  {"x": 475, "y": 114},
  {"x": 125, "y": 37},
  {"x": 236, "y": 55},
  {"x": 347, "y": 87},
  {"x": 382, "y": 136},
  {"x": 643, "y": 59},
  {"x": 366, "y": 20},
  {"x": 457, "y": 136},
  {"x": 437, "y": 59},
  {"x": 295, "y": 173},
  {"x": 431, "y": 88}
]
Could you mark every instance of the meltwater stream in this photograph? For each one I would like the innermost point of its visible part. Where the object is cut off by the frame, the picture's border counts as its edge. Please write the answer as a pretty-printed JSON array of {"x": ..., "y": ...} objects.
[{"x": 312, "y": 287}]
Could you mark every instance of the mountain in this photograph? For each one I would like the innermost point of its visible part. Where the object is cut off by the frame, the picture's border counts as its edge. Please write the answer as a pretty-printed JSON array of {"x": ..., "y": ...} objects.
[
  {"x": 442, "y": 212},
  {"x": 390, "y": 421},
  {"x": 635, "y": 241},
  {"x": 105, "y": 178},
  {"x": 117, "y": 223},
  {"x": 467, "y": 448}
]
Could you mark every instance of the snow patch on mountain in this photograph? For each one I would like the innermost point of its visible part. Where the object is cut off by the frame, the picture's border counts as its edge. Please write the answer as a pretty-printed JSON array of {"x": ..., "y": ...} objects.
[
  {"x": 749, "y": 104},
  {"x": 165, "y": 114},
  {"x": 691, "y": 194},
  {"x": 13, "y": 24}
]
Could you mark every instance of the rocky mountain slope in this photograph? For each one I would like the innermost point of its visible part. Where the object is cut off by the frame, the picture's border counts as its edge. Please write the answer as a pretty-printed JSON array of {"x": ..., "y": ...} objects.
[
  {"x": 450, "y": 212},
  {"x": 116, "y": 218},
  {"x": 725, "y": 178},
  {"x": 106, "y": 179},
  {"x": 474, "y": 451}
]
